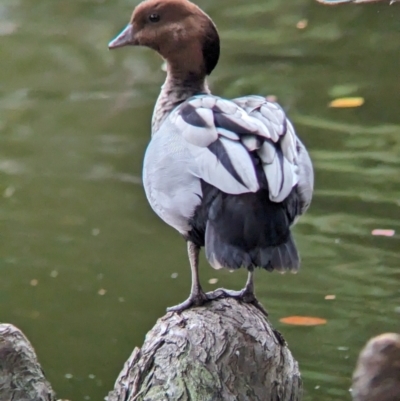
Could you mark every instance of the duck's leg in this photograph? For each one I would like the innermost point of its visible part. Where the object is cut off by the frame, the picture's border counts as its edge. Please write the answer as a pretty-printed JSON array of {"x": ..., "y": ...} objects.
[
  {"x": 245, "y": 295},
  {"x": 197, "y": 296}
]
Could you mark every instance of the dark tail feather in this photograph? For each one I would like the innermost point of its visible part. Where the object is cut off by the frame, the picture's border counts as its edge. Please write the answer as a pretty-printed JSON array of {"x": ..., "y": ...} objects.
[
  {"x": 282, "y": 258},
  {"x": 219, "y": 253}
]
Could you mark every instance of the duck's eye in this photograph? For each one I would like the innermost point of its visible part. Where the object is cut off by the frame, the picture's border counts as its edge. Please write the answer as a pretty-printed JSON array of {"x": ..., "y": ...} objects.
[{"x": 154, "y": 18}]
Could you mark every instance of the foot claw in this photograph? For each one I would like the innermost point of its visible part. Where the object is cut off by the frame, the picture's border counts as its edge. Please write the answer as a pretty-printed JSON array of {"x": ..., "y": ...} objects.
[
  {"x": 243, "y": 295},
  {"x": 193, "y": 300}
]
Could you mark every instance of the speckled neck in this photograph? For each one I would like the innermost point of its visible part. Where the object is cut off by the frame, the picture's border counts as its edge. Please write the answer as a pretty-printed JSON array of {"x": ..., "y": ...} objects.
[{"x": 176, "y": 89}]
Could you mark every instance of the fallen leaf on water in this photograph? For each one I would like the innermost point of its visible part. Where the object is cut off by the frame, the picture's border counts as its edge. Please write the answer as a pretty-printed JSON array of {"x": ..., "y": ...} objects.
[
  {"x": 383, "y": 232},
  {"x": 302, "y": 24},
  {"x": 329, "y": 297},
  {"x": 303, "y": 320},
  {"x": 346, "y": 102},
  {"x": 9, "y": 192}
]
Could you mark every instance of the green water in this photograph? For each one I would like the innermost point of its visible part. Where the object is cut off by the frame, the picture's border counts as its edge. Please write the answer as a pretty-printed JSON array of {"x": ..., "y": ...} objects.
[{"x": 86, "y": 266}]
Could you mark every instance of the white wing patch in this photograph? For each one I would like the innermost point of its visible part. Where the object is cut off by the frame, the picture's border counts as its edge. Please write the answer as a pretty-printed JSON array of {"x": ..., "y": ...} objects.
[
  {"x": 243, "y": 163},
  {"x": 208, "y": 168},
  {"x": 228, "y": 138}
]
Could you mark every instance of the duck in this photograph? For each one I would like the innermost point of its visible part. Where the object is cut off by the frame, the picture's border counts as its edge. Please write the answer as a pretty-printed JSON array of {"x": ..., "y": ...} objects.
[{"x": 231, "y": 176}]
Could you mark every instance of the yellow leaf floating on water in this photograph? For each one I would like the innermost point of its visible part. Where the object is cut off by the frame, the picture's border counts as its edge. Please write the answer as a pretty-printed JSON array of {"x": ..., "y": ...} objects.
[
  {"x": 303, "y": 320},
  {"x": 346, "y": 102}
]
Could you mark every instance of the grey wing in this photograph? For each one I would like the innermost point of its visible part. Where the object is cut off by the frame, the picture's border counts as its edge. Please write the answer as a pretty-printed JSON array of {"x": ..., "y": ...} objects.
[
  {"x": 227, "y": 138},
  {"x": 306, "y": 177},
  {"x": 218, "y": 154},
  {"x": 272, "y": 115}
]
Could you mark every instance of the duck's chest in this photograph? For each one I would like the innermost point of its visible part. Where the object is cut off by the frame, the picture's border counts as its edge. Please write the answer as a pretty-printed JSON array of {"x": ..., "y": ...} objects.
[{"x": 171, "y": 189}]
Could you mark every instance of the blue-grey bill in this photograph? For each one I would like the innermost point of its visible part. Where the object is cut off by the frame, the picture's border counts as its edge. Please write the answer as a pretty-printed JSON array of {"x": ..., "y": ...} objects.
[{"x": 124, "y": 38}]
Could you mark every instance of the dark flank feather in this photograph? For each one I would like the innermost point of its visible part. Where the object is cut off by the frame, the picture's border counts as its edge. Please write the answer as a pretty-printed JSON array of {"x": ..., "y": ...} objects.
[{"x": 246, "y": 230}]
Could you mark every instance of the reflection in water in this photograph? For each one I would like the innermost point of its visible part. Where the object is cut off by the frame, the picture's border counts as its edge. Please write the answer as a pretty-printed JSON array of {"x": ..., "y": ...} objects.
[{"x": 86, "y": 267}]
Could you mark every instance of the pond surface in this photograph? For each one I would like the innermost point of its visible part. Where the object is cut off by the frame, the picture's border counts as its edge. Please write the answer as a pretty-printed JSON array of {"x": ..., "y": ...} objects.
[{"x": 86, "y": 267}]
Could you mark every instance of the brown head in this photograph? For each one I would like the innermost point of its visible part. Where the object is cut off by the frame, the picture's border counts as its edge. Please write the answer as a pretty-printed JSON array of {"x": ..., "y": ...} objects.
[{"x": 178, "y": 30}]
